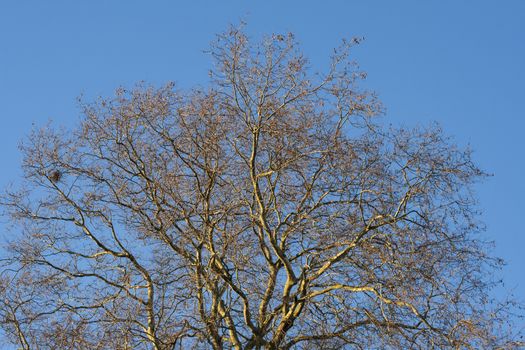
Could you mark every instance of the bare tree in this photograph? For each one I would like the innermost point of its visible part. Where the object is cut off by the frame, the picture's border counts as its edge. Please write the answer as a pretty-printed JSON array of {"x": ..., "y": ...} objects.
[{"x": 270, "y": 211}]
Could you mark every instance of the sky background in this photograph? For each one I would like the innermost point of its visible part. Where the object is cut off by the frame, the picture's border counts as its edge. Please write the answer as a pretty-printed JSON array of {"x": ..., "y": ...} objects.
[{"x": 458, "y": 62}]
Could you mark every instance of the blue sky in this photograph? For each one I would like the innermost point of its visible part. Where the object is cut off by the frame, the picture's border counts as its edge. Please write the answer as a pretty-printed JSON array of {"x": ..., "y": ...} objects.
[{"x": 459, "y": 62}]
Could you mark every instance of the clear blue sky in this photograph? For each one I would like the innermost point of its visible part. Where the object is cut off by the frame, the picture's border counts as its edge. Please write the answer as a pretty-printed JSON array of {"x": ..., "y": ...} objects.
[{"x": 459, "y": 62}]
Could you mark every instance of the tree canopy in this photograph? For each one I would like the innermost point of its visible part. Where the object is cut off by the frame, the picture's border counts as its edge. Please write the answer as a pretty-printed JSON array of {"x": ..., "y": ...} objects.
[{"x": 270, "y": 210}]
